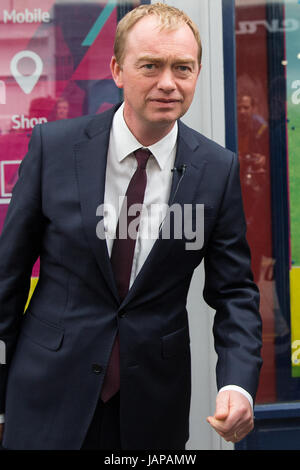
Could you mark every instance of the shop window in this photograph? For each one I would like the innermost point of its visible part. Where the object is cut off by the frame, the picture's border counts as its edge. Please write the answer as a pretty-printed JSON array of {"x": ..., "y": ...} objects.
[
  {"x": 55, "y": 57},
  {"x": 268, "y": 116}
]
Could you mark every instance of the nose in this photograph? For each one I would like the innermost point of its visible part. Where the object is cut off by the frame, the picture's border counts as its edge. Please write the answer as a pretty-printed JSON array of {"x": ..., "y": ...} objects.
[{"x": 166, "y": 81}]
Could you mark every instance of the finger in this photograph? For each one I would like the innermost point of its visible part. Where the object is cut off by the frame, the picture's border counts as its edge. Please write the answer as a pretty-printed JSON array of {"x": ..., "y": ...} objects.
[
  {"x": 237, "y": 436},
  {"x": 226, "y": 425},
  {"x": 218, "y": 425},
  {"x": 229, "y": 431},
  {"x": 222, "y": 406},
  {"x": 238, "y": 433}
]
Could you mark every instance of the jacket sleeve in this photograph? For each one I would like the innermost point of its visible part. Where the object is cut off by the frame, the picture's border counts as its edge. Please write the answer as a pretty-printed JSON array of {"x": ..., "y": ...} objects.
[
  {"x": 230, "y": 290},
  {"x": 19, "y": 249}
]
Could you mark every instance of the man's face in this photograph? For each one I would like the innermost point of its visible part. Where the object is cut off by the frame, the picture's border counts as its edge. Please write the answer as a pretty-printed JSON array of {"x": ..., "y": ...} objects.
[
  {"x": 62, "y": 110},
  {"x": 245, "y": 110},
  {"x": 158, "y": 75}
]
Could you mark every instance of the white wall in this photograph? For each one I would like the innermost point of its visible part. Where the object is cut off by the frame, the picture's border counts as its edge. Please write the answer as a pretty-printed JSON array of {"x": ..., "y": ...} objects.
[{"x": 207, "y": 116}]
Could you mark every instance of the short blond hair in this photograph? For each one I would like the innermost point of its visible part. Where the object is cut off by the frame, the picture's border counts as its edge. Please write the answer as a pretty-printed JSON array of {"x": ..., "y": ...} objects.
[{"x": 169, "y": 18}]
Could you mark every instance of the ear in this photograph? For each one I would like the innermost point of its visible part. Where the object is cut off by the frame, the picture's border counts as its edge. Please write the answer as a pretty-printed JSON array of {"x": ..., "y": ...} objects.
[{"x": 116, "y": 72}]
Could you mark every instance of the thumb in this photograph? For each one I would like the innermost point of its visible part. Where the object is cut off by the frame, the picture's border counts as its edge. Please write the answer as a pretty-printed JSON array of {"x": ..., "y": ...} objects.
[{"x": 222, "y": 405}]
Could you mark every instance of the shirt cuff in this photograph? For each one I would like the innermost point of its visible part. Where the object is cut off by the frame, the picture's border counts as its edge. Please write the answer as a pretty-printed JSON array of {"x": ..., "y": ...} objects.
[
  {"x": 2, "y": 420},
  {"x": 238, "y": 389}
]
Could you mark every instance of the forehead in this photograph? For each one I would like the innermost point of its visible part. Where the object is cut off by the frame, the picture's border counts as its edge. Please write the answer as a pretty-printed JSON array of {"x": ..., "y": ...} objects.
[{"x": 147, "y": 37}]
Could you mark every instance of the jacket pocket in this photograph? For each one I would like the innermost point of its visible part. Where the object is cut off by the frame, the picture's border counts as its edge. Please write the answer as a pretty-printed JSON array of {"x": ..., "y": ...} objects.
[
  {"x": 42, "y": 333},
  {"x": 176, "y": 343}
]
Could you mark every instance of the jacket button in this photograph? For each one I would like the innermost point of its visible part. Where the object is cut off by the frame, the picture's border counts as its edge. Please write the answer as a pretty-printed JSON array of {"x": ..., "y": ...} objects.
[{"x": 97, "y": 369}]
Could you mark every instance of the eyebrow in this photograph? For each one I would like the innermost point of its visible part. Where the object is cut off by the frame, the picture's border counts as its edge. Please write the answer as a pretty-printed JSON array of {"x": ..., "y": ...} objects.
[{"x": 177, "y": 60}]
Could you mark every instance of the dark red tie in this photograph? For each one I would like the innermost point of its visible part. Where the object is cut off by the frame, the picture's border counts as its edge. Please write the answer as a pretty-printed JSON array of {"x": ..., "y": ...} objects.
[{"x": 121, "y": 260}]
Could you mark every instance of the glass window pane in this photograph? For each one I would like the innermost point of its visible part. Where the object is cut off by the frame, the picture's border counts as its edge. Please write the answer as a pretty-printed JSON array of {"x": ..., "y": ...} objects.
[
  {"x": 268, "y": 97},
  {"x": 55, "y": 57}
]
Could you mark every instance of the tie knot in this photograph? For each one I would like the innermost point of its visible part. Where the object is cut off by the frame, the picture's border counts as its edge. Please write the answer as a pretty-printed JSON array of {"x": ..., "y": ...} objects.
[{"x": 142, "y": 156}]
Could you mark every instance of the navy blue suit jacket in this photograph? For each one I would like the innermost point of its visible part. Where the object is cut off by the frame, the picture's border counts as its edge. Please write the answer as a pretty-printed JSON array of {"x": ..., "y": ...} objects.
[{"x": 50, "y": 385}]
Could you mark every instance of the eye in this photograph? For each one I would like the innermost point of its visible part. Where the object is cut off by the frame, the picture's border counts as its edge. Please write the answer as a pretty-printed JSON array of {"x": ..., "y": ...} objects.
[
  {"x": 183, "y": 68},
  {"x": 149, "y": 66}
]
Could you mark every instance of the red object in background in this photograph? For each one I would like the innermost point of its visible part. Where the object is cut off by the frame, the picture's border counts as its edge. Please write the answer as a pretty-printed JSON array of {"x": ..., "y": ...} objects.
[
  {"x": 254, "y": 155},
  {"x": 74, "y": 79},
  {"x": 99, "y": 52}
]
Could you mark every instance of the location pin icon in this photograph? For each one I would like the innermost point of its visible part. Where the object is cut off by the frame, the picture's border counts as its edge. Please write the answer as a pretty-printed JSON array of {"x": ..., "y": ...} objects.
[{"x": 26, "y": 82}]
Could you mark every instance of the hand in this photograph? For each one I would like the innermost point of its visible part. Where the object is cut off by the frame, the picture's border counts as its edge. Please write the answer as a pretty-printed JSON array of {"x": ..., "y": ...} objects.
[
  {"x": 233, "y": 418},
  {"x": 1, "y": 432}
]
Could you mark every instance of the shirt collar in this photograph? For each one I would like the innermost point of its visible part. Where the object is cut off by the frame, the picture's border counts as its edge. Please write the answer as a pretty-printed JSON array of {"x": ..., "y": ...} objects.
[{"x": 161, "y": 150}]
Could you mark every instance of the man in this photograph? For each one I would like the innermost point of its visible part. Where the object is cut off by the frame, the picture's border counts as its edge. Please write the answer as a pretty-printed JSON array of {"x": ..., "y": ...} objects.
[
  {"x": 254, "y": 169},
  {"x": 62, "y": 108},
  {"x": 102, "y": 357}
]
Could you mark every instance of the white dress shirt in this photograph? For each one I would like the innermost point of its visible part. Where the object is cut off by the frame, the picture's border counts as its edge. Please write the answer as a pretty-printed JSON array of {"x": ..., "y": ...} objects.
[{"x": 121, "y": 165}]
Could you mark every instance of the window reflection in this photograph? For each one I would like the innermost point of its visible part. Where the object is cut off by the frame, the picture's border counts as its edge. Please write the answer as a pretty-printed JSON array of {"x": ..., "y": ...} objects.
[
  {"x": 55, "y": 57},
  {"x": 253, "y": 153},
  {"x": 267, "y": 39}
]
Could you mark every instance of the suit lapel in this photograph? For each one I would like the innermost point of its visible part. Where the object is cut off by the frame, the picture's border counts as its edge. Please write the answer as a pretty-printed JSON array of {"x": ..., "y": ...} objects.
[
  {"x": 182, "y": 192},
  {"x": 90, "y": 160},
  {"x": 183, "y": 187}
]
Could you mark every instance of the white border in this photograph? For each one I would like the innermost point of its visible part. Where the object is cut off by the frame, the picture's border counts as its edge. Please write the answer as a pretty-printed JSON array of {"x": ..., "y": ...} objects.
[{"x": 5, "y": 197}]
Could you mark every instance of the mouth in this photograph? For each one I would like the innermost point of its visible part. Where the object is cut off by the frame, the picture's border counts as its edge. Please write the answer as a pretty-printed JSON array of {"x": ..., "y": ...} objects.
[{"x": 165, "y": 101}]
